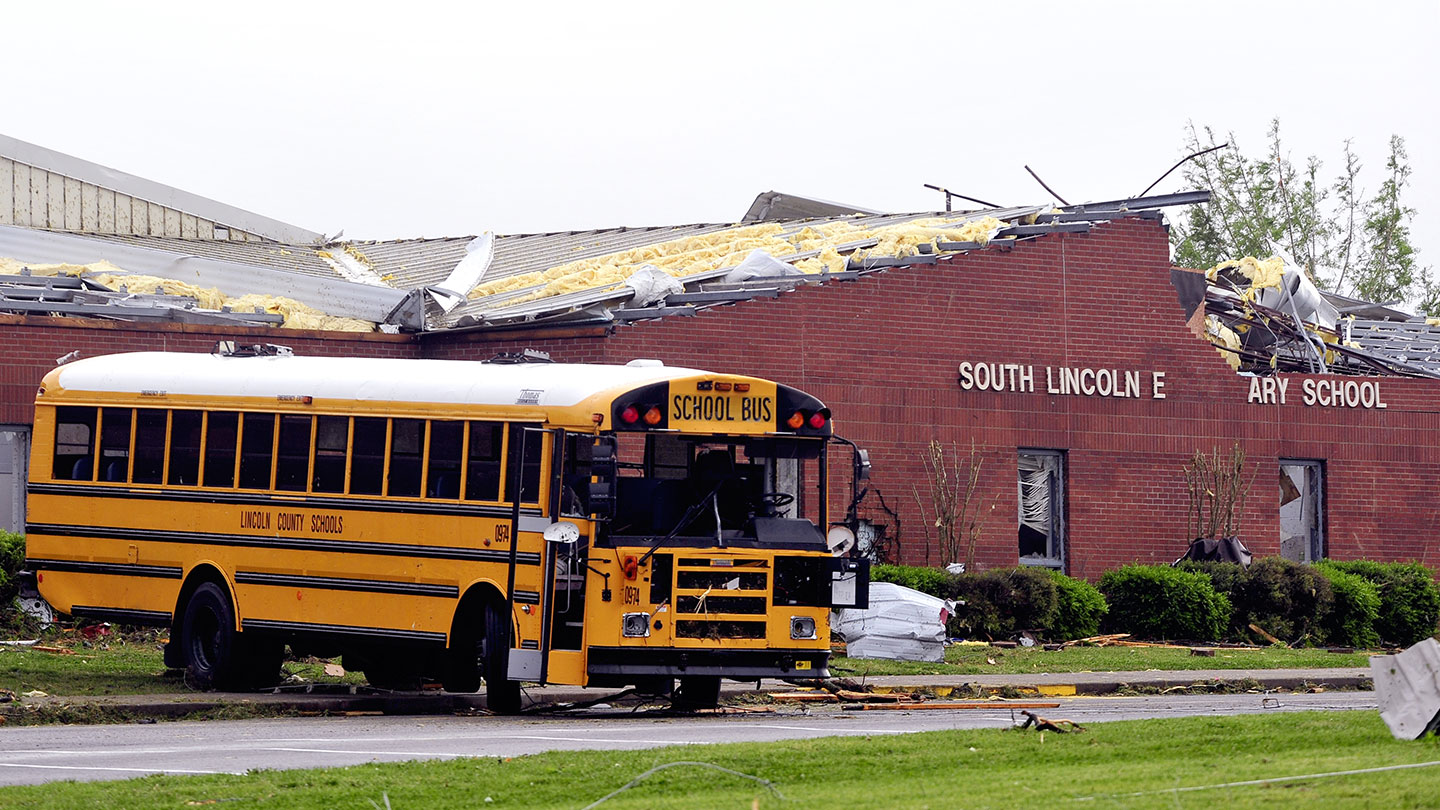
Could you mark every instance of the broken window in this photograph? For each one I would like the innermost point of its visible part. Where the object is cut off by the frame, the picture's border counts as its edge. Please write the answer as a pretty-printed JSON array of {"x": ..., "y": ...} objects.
[
  {"x": 1302, "y": 509},
  {"x": 1042, "y": 508}
]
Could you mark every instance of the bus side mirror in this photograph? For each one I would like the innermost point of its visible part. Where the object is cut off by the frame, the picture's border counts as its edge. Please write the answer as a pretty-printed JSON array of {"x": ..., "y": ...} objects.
[
  {"x": 563, "y": 532},
  {"x": 862, "y": 464}
]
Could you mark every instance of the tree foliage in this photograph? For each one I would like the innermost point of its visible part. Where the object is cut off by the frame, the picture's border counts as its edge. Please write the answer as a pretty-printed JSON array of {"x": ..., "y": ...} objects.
[{"x": 1348, "y": 242}]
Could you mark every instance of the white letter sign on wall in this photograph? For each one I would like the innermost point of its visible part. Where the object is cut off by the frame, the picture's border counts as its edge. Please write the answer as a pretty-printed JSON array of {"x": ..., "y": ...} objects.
[{"x": 1062, "y": 381}]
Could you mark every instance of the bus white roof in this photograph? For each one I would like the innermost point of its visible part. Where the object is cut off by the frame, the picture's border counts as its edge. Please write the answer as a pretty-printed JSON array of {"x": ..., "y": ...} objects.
[{"x": 359, "y": 378}]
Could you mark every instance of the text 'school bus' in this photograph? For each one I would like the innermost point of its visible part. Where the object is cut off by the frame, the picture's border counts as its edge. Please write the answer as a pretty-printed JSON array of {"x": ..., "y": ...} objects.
[{"x": 505, "y": 521}]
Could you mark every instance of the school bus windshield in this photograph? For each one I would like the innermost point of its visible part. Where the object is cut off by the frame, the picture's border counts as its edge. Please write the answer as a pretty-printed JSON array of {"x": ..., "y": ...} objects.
[{"x": 709, "y": 490}]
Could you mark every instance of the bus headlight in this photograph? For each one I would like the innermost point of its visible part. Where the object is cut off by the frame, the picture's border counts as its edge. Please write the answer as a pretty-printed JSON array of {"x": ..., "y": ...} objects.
[
  {"x": 802, "y": 627},
  {"x": 635, "y": 625}
]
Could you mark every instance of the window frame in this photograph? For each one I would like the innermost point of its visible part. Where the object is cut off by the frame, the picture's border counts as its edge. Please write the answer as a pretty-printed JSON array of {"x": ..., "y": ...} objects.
[
  {"x": 1318, "y": 546},
  {"x": 1058, "y": 553}
]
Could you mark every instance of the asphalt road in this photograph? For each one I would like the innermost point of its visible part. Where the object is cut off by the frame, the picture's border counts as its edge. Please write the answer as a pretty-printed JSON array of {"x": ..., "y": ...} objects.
[{"x": 39, "y": 754}]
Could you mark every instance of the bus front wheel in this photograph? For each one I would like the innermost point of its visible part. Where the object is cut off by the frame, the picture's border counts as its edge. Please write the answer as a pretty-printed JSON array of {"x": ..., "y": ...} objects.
[{"x": 502, "y": 695}]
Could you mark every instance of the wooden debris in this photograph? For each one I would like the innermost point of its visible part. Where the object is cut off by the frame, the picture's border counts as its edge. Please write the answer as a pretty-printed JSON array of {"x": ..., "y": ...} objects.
[
  {"x": 1261, "y": 633},
  {"x": 1097, "y": 641},
  {"x": 875, "y": 707},
  {"x": 1045, "y": 724},
  {"x": 56, "y": 650},
  {"x": 805, "y": 697},
  {"x": 1203, "y": 652}
]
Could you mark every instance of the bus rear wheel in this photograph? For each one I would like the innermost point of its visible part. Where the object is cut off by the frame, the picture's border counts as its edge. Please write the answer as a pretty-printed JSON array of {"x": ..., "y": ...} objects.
[{"x": 215, "y": 655}]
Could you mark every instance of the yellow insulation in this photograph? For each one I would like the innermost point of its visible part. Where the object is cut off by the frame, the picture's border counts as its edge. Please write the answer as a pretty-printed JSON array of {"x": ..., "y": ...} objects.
[
  {"x": 698, "y": 254},
  {"x": 297, "y": 315}
]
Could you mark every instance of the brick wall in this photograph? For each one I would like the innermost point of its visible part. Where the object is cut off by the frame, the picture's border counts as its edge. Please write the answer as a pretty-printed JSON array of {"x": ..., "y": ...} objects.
[{"x": 883, "y": 353}]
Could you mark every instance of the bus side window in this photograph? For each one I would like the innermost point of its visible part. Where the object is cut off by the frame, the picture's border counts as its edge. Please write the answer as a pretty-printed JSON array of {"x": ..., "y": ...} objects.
[
  {"x": 482, "y": 479},
  {"x": 115, "y": 445},
  {"x": 442, "y": 473},
  {"x": 184, "y": 448},
  {"x": 257, "y": 447},
  {"x": 405, "y": 457},
  {"x": 292, "y": 467},
  {"x": 150, "y": 426},
  {"x": 332, "y": 435},
  {"x": 530, "y": 471},
  {"x": 367, "y": 469},
  {"x": 221, "y": 432},
  {"x": 74, "y": 444}
]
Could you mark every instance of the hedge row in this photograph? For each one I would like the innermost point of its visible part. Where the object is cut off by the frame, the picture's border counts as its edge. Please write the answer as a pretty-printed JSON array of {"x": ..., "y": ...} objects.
[
  {"x": 1355, "y": 604},
  {"x": 1004, "y": 601}
]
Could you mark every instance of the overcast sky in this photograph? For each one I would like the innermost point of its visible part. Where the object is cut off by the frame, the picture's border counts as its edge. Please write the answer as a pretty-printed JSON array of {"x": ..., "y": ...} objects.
[{"x": 420, "y": 119}]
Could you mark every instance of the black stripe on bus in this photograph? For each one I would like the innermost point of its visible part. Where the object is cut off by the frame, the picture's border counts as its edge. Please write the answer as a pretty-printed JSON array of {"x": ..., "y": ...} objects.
[
  {"x": 342, "y": 584},
  {"x": 311, "y": 501},
  {"x": 526, "y": 597},
  {"x": 121, "y": 615},
  {"x": 530, "y": 645},
  {"x": 290, "y": 543},
  {"x": 117, "y": 569},
  {"x": 342, "y": 630}
]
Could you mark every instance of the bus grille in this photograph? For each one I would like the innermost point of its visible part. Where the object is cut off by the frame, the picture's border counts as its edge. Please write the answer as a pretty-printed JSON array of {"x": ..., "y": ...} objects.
[
  {"x": 721, "y": 604},
  {"x": 686, "y": 628}
]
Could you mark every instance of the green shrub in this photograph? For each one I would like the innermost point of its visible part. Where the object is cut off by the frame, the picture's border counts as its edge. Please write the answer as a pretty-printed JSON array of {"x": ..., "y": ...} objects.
[
  {"x": 12, "y": 559},
  {"x": 1284, "y": 598},
  {"x": 1352, "y": 617},
  {"x": 934, "y": 581},
  {"x": 1079, "y": 608},
  {"x": 1225, "y": 578},
  {"x": 1409, "y": 599},
  {"x": 1004, "y": 601},
  {"x": 1158, "y": 601}
]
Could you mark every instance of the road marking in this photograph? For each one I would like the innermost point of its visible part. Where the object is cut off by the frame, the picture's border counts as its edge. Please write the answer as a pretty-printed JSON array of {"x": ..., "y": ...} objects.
[
  {"x": 366, "y": 753},
  {"x": 126, "y": 770}
]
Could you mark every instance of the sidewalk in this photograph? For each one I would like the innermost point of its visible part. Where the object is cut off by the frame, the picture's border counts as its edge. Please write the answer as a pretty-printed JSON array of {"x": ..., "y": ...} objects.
[{"x": 397, "y": 703}]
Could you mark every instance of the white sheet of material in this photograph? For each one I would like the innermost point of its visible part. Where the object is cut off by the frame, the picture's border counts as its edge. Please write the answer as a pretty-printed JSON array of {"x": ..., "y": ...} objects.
[
  {"x": 901, "y": 624},
  {"x": 651, "y": 284},
  {"x": 1407, "y": 687}
]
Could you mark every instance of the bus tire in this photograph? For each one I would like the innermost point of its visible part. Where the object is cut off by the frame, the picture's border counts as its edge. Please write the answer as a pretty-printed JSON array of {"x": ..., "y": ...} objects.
[
  {"x": 502, "y": 695},
  {"x": 464, "y": 658},
  {"x": 697, "y": 692},
  {"x": 209, "y": 644}
]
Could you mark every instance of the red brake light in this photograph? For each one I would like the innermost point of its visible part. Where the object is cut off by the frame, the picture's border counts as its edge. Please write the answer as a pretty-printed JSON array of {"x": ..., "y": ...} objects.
[
  {"x": 653, "y": 416},
  {"x": 796, "y": 420},
  {"x": 630, "y": 415},
  {"x": 817, "y": 420}
]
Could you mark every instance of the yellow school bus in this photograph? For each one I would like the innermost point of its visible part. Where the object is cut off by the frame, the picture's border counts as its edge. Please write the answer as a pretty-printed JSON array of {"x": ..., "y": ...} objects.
[{"x": 507, "y": 521}]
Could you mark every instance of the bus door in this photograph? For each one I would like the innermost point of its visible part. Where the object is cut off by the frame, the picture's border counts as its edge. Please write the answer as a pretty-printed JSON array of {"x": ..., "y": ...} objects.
[{"x": 566, "y": 531}]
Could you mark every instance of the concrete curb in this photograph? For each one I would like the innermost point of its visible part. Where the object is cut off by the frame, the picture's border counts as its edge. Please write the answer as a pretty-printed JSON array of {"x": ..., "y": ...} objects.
[{"x": 170, "y": 706}]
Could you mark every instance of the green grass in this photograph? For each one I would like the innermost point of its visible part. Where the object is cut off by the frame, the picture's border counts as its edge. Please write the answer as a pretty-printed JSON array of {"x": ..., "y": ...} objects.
[
  {"x": 112, "y": 666},
  {"x": 970, "y": 769},
  {"x": 966, "y": 660},
  {"x": 134, "y": 666}
]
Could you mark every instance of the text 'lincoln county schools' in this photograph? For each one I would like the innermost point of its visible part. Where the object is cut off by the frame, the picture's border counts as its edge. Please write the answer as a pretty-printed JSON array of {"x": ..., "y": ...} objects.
[{"x": 1064, "y": 380}]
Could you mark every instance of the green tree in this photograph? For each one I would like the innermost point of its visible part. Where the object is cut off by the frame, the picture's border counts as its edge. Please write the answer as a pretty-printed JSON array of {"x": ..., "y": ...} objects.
[{"x": 1346, "y": 242}]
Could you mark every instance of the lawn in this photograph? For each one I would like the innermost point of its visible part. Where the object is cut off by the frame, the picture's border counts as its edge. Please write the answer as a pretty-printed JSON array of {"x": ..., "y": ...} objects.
[
  {"x": 975, "y": 660},
  {"x": 133, "y": 665},
  {"x": 1137, "y": 764},
  {"x": 112, "y": 665}
]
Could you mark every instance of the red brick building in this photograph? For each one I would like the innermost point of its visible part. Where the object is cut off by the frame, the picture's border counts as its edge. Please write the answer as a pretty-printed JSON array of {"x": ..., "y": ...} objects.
[
  {"x": 1059, "y": 352},
  {"x": 1095, "y": 312}
]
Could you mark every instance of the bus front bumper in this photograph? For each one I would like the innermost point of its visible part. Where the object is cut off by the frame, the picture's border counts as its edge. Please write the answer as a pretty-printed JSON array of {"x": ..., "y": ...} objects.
[{"x": 622, "y": 664}]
